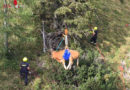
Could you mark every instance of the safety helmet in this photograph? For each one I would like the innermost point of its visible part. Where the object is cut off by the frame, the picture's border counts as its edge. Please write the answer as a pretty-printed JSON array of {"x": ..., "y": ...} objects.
[
  {"x": 95, "y": 28},
  {"x": 25, "y": 59}
]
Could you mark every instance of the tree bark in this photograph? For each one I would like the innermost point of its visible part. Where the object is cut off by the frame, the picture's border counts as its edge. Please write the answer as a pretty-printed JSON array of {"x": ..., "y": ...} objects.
[{"x": 43, "y": 36}]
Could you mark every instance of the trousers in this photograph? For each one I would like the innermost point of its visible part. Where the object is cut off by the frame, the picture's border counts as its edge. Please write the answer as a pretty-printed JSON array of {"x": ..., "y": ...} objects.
[
  {"x": 24, "y": 74},
  {"x": 93, "y": 39}
]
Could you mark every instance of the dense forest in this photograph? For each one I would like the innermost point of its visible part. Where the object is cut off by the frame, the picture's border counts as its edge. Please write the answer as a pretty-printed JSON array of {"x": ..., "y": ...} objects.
[{"x": 33, "y": 28}]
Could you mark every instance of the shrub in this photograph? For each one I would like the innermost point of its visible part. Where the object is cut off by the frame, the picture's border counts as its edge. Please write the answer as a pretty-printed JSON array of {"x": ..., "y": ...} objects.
[
  {"x": 36, "y": 84},
  {"x": 90, "y": 75}
]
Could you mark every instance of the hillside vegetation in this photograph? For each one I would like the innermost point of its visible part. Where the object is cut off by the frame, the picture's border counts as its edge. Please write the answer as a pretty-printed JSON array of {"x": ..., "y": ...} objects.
[{"x": 24, "y": 26}]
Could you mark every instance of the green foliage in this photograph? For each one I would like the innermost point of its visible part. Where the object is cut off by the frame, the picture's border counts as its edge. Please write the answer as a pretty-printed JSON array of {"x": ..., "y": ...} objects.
[
  {"x": 90, "y": 75},
  {"x": 12, "y": 65},
  {"x": 36, "y": 83},
  {"x": 80, "y": 16},
  {"x": 62, "y": 11}
]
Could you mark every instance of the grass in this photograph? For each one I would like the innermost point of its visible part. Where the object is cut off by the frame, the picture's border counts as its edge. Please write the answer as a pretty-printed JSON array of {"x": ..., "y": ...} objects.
[{"x": 10, "y": 76}]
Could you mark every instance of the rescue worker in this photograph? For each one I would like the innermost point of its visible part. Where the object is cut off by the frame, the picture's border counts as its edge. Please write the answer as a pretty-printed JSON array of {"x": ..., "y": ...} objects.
[
  {"x": 24, "y": 70},
  {"x": 94, "y": 37}
]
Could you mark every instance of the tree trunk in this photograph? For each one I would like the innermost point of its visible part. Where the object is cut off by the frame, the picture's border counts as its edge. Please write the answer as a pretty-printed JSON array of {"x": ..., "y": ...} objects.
[{"x": 43, "y": 36}]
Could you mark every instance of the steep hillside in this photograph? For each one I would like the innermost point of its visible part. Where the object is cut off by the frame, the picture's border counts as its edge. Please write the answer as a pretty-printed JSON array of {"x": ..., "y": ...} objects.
[{"x": 113, "y": 20}]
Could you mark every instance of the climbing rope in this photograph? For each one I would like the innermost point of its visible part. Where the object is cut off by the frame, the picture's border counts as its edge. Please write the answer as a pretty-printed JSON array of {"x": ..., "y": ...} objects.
[
  {"x": 65, "y": 38},
  {"x": 59, "y": 44},
  {"x": 120, "y": 68},
  {"x": 103, "y": 57}
]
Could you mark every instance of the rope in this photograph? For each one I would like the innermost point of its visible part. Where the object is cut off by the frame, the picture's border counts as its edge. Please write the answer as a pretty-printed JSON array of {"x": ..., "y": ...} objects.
[
  {"x": 59, "y": 44},
  {"x": 66, "y": 40},
  {"x": 121, "y": 68},
  {"x": 100, "y": 52}
]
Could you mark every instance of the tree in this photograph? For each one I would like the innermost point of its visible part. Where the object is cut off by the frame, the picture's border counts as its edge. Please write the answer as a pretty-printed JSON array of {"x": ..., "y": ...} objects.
[{"x": 20, "y": 25}]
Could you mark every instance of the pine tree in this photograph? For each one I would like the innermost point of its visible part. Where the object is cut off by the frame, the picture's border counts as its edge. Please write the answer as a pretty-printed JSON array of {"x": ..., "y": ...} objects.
[{"x": 20, "y": 23}]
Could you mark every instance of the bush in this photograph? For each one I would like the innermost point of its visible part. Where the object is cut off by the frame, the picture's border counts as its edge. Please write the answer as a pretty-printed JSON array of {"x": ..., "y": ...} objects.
[
  {"x": 36, "y": 84},
  {"x": 90, "y": 75}
]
